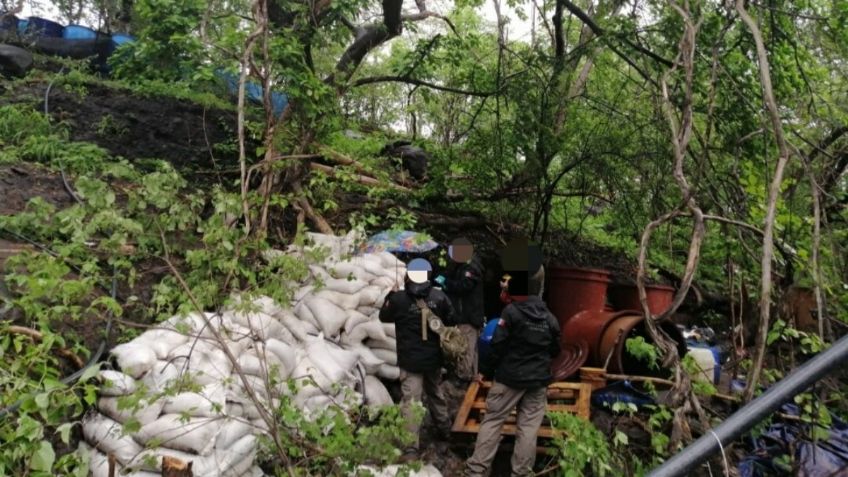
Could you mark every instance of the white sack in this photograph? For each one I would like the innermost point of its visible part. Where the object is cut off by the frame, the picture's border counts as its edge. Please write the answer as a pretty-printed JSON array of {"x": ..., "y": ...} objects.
[
  {"x": 334, "y": 363},
  {"x": 144, "y": 413},
  {"x": 388, "y": 260},
  {"x": 390, "y": 330},
  {"x": 368, "y": 359},
  {"x": 342, "y": 285},
  {"x": 330, "y": 317},
  {"x": 231, "y": 431},
  {"x": 306, "y": 373},
  {"x": 376, "y": 393},
  {"x": 319, "y": 273},
  {"x": 135, "y": 359},
  {"x": 369, "y": 311},
  {"x": 370, "y": 329},
  {"x": 209, "y": 364},
  {"x": 172, "y": 431},
  {"x": 98, "y": 465},
  {"x": 385, "y": 343},
  {"x": 355, "y": 318},
  {"x": 263, "y": 325},
  {"x": 164, "y": 373},
  {"x": 393, "y": 470},
  {"x": 371, "y": 296},
  {"x": 389, "y": 372},
  {"x": 303, "y": 292},
  {"x": 318, "y": 349},
  {"x": 389, "y": 356},
  {"x": 260, "y": 363},
  {"x": 208, "y": 402},
  {"x": 106, "y": 435},
  {"x": 305, "y": 314},
  {"x": 342, "y": 300},
  {"x": 345, "y": 270},
  {"x": 386, "y": 283},
  {"x": 115, "y": 383},
  {"x": 295, "y": 325},
  {"x": 267, "y": 305},
  {"x": 284, "y": 352}
]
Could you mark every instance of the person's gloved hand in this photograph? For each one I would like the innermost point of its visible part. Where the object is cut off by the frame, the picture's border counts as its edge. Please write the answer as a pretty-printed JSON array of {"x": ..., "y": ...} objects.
[{"x": 440, "y": 280}]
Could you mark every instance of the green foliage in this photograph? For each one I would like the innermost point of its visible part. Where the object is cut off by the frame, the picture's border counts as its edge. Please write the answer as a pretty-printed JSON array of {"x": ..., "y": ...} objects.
[
  {"x": 168, "y": 47},
  {"x": 581, "y": 448},
  {"x": 643, "y": 351}
]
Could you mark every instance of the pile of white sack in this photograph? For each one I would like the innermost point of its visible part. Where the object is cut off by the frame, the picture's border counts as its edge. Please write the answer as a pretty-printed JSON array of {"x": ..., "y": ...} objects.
[{"x": 330, "y": 340}]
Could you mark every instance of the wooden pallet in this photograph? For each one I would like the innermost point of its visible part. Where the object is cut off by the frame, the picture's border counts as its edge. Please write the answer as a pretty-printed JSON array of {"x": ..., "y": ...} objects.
[{"x": 562, "y": 397}]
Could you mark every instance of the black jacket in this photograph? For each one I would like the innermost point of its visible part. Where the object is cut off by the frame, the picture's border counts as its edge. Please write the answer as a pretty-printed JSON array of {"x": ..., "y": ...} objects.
[
  {"x": 464, "y": 286},
  {"x": 400, "y": 308},
  {"x": 525, "y": 343}
]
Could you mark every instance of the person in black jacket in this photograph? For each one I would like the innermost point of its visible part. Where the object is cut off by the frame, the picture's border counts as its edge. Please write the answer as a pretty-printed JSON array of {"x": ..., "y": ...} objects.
[
  {"x": 526, "y": 341},
  {"x": 463, "y": 283},
  {"x": 419, "y": 359}
]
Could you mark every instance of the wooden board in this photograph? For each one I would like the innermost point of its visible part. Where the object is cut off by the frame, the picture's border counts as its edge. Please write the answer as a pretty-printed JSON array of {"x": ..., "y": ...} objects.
[{"x": 562, "y": 397}]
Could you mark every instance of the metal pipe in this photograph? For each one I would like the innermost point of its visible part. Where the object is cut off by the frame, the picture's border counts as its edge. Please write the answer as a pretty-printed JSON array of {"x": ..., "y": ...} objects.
[{"x": 755, "y": 411}]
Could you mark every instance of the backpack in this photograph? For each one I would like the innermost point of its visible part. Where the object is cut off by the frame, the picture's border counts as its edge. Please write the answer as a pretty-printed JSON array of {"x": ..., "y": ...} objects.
[{"x": 453, "y": 342}]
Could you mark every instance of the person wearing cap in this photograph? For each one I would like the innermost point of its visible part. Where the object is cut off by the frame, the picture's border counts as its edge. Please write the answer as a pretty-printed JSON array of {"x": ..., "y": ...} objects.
[
  {"x": 524, "y": 344},
  {"x": 463, "y": 283},
  {"x": 418, "y": 349}
]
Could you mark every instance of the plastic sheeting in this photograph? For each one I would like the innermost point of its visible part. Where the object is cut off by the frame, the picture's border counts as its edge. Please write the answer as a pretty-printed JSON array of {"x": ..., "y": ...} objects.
[{"x": 821, "y": 458}]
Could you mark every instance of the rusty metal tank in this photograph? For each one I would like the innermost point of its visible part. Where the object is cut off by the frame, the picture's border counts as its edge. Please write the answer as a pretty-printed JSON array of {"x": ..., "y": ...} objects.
[
  {"x": 626, "y": 297},
  {"x": 572, "y": 290},
  {"x": 624, "y": 327}
]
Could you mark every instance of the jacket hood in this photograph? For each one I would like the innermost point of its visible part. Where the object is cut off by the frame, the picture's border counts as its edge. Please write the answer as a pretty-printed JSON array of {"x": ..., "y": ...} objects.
[
  {"x": 418, "y": 290},
  {"x": 533, "y": 308}
]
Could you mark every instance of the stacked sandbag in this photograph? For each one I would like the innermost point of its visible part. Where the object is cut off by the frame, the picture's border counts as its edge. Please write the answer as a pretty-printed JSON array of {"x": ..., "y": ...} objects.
[{"x": 178, "y": 387}]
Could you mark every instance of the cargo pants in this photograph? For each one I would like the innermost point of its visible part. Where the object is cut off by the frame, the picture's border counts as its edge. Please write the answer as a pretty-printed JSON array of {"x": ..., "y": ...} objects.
[
  {"x": 413, "y": 386},
  {"x": 469, "y": 369},
  {"x": 502, "y": 399}
]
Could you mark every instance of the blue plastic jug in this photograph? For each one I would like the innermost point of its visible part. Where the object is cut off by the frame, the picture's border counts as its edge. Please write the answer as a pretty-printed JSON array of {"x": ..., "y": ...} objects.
[{"x": 484, "y": 343}]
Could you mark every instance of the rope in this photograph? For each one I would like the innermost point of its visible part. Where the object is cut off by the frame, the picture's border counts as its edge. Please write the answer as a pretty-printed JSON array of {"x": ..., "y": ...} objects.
[{"x": 723, "y": 455}]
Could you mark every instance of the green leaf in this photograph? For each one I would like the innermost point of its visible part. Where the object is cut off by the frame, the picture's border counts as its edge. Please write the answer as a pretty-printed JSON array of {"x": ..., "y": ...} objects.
[
  {"x": 64, "y": 432},
  {"x": 42, "y": 400},
  {"x": 43, "y": 458},
  {"x": 89, "y": 373}
]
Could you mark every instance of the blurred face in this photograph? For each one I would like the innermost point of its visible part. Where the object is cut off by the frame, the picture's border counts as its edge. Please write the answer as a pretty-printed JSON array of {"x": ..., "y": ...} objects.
[
  {"x": 418, "y": 270},
  {"x": 461, "y": 253},
  {"x": 505, "y": 282}
]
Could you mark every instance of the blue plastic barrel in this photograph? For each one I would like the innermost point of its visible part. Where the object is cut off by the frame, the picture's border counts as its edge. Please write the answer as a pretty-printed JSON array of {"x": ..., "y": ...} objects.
[
  {"x": 119, "y": 39},
  {"x": 22, "y": 25},
  {"x": 78, "y": 32},
  {"x": 484, "y": 343},
  {"x": 43, "y": 27},
  {"x": 8, "y": 22}
]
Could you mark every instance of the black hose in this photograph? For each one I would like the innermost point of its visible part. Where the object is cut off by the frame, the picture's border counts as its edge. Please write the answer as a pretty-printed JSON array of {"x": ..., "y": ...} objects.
[
  {"x": 91, "y": 362},
  {"x": 65, "y": 182}
]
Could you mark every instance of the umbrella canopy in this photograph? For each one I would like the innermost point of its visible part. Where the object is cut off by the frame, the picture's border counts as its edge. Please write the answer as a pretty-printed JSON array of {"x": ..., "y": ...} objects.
[{"x": 399, "y": 241}]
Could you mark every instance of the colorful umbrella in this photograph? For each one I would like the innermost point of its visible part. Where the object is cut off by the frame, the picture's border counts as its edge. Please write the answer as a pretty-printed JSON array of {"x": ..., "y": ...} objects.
[{"x": 399, "y": 241}]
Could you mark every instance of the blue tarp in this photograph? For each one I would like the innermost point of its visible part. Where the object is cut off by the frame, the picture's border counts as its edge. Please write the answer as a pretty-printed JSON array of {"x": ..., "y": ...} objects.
[
  {"x": 253, "y": 91},
  {"x": 822, "y": 458},
  {"x": 620, "y": 391}
]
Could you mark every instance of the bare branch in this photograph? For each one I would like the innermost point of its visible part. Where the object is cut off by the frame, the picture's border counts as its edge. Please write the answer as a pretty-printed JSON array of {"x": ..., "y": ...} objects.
[
  {"x": 771, "y": 206},
  {"x": 417, "y": 82},
  {"x": 597, "y": 30}
]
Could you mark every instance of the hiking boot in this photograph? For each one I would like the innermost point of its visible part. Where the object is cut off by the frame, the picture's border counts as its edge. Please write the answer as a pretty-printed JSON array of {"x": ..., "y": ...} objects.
[{"x": 408, "y": 456}]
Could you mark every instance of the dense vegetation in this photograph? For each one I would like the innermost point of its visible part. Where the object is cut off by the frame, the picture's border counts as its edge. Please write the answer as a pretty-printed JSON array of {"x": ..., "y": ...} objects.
[{"x": 707, "y": 141}]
